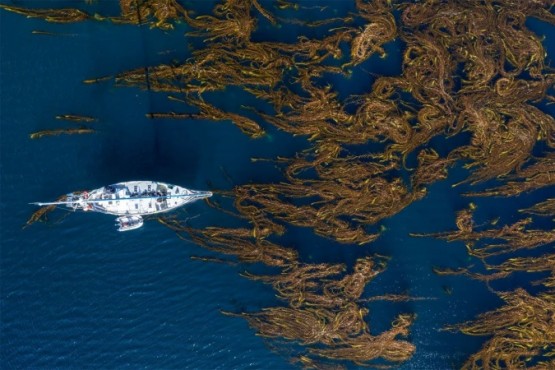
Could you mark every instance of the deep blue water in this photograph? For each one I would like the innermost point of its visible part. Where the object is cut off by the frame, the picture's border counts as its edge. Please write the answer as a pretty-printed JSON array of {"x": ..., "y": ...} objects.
[{"x": 78, "y": 294}]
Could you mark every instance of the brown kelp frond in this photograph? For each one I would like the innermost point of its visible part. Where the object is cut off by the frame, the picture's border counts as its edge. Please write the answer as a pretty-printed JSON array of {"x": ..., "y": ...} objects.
[
  {"x": 381, "y": 28},
  {"x": 210, "y": 112},
  {"x": 522, "y": 332},
  {"x": 473, "y": 275},
  {"x": 528, "y": 264},
  {"x": 352, "y": 285},
  {"x": 396, "y": 298},
  {"x": 242, "y": 243},
  {"x": 324, "y": 220},
  {"x": 364, "y": 348},
  {"x": 539, "y": 174},
  {"x": 159, "y": 13},
  {"x": 42, "y": 212},
  {"x": 309, "y": 363},
  {"x": 50, "y": 15},
  {"x": 509, "y": 238},
  {"x": 431, "y": 168},
  {"x": 344, "y": 333},
  {"x": 316, "y": 285},
  {"x": 494, "y": 102},
  {"x": 308, "y": 326},
  {"x": 62, "y": 131},
  {"x": 544, "y": 263},
  {"x": 76, "y": 118},
  {"x": 323, "y": 310},
  {"x": 502, "y": 141},
  {"x": 545, "y": 208},
  {"x": 231, "y": 22}
]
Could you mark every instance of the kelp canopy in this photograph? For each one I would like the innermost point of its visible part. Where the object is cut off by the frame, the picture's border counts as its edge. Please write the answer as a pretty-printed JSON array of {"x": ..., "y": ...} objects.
[{"x": 471, "y": 71}]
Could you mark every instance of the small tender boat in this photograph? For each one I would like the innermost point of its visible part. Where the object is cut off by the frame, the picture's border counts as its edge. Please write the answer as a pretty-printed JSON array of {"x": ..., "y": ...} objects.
[
  {"x": 131, "y": 198},
  {"x": 126, "y": 223}
]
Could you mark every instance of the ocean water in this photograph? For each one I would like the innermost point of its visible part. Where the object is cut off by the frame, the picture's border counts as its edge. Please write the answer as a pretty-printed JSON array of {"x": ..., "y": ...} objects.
[{"x": 76, "y": 294}]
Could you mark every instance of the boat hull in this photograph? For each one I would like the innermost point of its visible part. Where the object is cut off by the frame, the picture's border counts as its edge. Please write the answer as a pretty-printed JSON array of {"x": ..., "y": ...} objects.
[
  {"x": 127, "y": 223},
  {"x": 135, "y": 198}
]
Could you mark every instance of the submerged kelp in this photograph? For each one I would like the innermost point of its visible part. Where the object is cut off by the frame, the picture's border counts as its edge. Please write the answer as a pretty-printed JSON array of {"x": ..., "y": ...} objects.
[{"x": 470, "y": 69}]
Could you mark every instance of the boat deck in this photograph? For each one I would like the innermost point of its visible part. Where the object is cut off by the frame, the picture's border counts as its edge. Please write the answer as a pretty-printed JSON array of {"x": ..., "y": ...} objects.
[{"x": 140, "y": 198}]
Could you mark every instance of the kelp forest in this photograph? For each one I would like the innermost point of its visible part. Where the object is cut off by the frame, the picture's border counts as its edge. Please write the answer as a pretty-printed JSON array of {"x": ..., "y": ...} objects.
[{"x": 472, "y": 73}]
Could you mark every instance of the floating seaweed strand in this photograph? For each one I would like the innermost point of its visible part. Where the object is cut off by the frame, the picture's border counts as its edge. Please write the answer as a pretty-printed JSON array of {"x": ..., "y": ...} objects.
[
  {"x": 321, "y": 310},
  {"x": 42, "y": 212},
  {"x": 324, "y": 311},
  {"x": 514, "y": 237},
  {"x": 364, "y": 348},
  {"x": 368, "y": 202},
  {"x": 310, "y": 284},
  {"x": 504, "y": 125},
  {"x": 132, "y": 11},
  {"x": 380, "y": 30},
  {"x": 307, "y": 326},
  {"x": 545, "y": 208},
  {"x": 522, "y": 329},
  {"x": 538, "y": 174},
  {"x": 139, "y": 12},
  {"x": 62, "y": 131},
  {"x": 238, "y": 242},
  {"x": 76, "y": 118},
  {"x": 50, "y": 15}
]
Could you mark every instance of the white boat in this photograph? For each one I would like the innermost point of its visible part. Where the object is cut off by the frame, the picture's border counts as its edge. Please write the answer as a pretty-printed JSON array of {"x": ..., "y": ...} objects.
[
  {"x": 126, "y": 223},
  {"x": 131, "y": 198}
]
